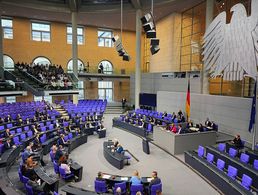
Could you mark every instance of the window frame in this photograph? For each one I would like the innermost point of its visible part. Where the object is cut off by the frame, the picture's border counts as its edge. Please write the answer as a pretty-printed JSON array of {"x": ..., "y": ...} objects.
[
  {"x": 105, "y": 38},
  {"x": 41, "y": 32},
  {"x": 104, "y": 69},
  {"x": 78, "y": 35},
  {"x": 7, "y": 27}
]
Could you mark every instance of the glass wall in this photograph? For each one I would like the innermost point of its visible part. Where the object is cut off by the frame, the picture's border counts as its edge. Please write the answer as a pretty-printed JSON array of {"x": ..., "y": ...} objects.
[{"x": 193, "y": 28}]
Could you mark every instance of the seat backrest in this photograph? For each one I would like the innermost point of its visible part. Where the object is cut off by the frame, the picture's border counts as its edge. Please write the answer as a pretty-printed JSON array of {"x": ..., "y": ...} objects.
[
  {"x": 26, "y": 128},
  {"x": 156, "y": 188},
  {"x": 232, "y": 152},
  {"x": 246, "y": 181},
  {"x": 66, "y": 137},
  {"x": 23, "y": 136},
  {"x": 62, "y": 171},
  {"x": 29, "y": 133},
  {"x": 136, "y": 188},
  {"x": 210, "y": 157},
  {"x": 256, "y": 164},
  {"x": 244, "y": 158},
  {"x": 29, "y": 189},
  {"x": 201, "y": 151},
  {"x": 10, "y": 125},
  {"x": 220, "y": 164},
  {"x": 100, "y": 186},
  {"x": 232, "y": 172},
  {"x": 19, "y": 130},
  {"x": 222, "y": 147},
  {"x": 122, "y": 185},
  {"x": 70, "y": 135}
]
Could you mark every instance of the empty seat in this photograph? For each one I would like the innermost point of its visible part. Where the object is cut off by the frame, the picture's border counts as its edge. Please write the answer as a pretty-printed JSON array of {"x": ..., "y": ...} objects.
[
  {"x": 210, "y": 157},
  {"x": 23, "y": 136},
  {"x": 222, "y": 147},
  {"x": 26, "y": 128},
  {"x": 232, "y": 172},
  {"x": 244, "y": 158},
  {"x": 256, "y": 164},
  {"x": 201, "y": 151},
  {"x": 10, "y": 125},
  {"x": 246, "y": 181},
  {"x": 220, "y": 164},
  {"x": 232, "y": 152},
  {"x": 19, "y": 130}
]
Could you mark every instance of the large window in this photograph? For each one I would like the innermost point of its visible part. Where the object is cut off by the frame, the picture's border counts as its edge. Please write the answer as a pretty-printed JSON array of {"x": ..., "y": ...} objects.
[
  {"x": 41, "y": 61},
  {"x": 105, "y": 90},
  {"x": 193, "y": 28},
  {"x": 81, "y": 90},
  {"x": 80, "y": 35},
  {"x": 107, "y": 67},
  {"x": 10, "y": 99},
  {"x": 8, "y": 62},
  {"x": 70, "y": 66},
  {"x": 7, "y": 25},
  {"x": 105, "y": 38},
  {"x": 40, "y": 31},
  {"x": 47, "y": 98}
]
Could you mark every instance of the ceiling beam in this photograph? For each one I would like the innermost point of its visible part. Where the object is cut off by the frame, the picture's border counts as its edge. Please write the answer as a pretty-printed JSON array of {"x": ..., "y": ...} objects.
[
  {"x": 74, "y": 5},
  {"x": 136, "y": 4}
]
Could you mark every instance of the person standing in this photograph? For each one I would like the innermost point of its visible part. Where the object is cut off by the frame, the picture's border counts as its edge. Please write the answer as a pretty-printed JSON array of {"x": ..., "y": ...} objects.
[{"x": 123, "y": 102}]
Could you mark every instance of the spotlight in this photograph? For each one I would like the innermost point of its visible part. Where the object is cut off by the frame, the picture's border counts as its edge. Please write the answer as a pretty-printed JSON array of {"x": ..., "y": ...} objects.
[
  {"x": 154, "y": 46},
  {"x": 121, "y": 52},
  {"x": 151, "y": 34},
  {"x": 146, "y": 18},
  {"x": 154, "y": 49},
  {"x": 126, "y": 57},
  {"x": 148, "y": 26}
]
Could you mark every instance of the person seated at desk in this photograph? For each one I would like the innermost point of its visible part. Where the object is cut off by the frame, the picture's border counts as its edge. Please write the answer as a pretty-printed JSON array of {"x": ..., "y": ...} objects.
[
  {"x": 27, "y": 121},
  {"x": 201, "y": 128},
  {"x": 180, "y": 130},
  {"x": 180, "y": 113},
  {"x": 34, "y": 129},
  {"x": 164, "y": 114},
  {"x": 207, "y": 123},
  {"x": 126, "y": 119},
  {"x": 8, "y": 144},
  {"x": 54, "y": 149},
  {"x": 8, "y": 119},
  {"x": 57, "y": 124},
  {"x": 36, "y": 185},
  {"x": 34, "y": 119},
  {"x": 100, "y": 177},
  {"x": 7, "y": 133},
  {"x": 237, "y": 142},
  {"x": 62, "y": 141},
  {"x": 155, "y": 180},
  {"x": 173, "y": 128},
  {"x": 135, "y": 179},
  {"x": 142, "y": 124},
  {"x": 190, "y": 124},
  {"x": 36, "y": 143},
  {"x": 134, "y": 115},
  {"x": 65, "y": 166},
  {"x": 30, "y": 163},
  {"x": 1, "y": 120},
  {"x": 119, "y": 149},
  {"x": 19, "y": 121},
  {"x": 59, "y": 153}
]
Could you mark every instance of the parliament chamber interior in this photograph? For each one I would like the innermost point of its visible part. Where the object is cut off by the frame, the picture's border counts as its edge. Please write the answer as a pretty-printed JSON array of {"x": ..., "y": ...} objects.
[{"x": 132, "y": 97}]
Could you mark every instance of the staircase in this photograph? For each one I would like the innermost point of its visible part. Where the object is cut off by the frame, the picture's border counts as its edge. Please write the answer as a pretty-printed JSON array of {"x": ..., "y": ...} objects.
[
  {"x": 62, "y": 111},
  {"x": 29, "y": 84},
  {"x": 114, "y": 108}
]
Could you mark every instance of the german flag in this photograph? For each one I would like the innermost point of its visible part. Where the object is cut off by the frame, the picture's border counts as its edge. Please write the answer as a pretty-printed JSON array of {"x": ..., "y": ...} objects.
[{"x": 187, "y": 105}]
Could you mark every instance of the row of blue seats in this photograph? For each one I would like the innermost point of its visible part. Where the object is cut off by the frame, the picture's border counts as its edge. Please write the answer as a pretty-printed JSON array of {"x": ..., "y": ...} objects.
[{"x": 246, "y": 181}]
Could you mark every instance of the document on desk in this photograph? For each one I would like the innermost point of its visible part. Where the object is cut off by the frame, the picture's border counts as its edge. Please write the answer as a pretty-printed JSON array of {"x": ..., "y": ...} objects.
[
  {"x": 124, "y": 178},
  {"x": 106, "y": 176},
  {"x": 149, "y": 179}
]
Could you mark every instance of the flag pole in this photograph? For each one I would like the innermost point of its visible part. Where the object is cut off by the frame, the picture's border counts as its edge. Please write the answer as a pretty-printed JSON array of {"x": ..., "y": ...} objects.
[{"x": 254, "y": 126}]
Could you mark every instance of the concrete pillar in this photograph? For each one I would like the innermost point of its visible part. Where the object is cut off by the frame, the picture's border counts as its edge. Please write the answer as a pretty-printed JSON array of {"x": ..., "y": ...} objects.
[
  {"x": 74, "y": 50},
  {"x": 74, "y": 43},
  {"x": 138, "y": 57},
  {"x": 209, "y": 18},
  {"x": 1, "y": 50}
]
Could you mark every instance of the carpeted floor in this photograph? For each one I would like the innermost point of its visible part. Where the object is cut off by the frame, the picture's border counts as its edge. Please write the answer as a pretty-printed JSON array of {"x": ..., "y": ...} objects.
[{"x": 176, "y": 177}]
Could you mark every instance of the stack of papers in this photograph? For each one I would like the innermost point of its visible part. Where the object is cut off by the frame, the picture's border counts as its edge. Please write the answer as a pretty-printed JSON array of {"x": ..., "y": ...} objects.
[
  {"x": 106, "y": 176},
  {"x": 149, "y": 179},
  {"x": 124, "y": 178}
]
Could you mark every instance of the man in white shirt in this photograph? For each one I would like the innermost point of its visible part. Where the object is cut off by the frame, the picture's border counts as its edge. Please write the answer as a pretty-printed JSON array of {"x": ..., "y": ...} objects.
[
  {"x": 66, "y": 167},
  {"x": 179, "y": 129}
]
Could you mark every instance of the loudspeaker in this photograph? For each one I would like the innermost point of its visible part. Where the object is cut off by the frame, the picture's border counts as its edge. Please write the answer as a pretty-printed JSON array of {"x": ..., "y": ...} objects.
[
  {"x": 146, "y": 18},
  {"x": 126, "y": 57},
  {"x": 154, "y": 49},
  {"x": 151, "y": 34},
  {"x": 154, "y": 42},
  {"x": 148, "y": 26}
]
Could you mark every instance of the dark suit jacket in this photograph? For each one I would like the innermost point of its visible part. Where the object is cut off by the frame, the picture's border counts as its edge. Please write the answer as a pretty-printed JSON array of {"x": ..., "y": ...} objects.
[
  {"x": 7, "y": 146},
  {"x": 36, "y": 187},
  {"x": 155, "y": 181}
]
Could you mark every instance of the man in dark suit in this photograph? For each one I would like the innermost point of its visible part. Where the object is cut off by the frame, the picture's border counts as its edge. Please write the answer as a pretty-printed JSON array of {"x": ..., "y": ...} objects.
[
  {"x": 8, "y": 144},
  {"x": 7, "y": 133},
  {"x": 8, "y": 119},
  {"x": 155, "y": 180},
  {"x": 36, "y": 185},
  {"x": 123, "y": 102}
]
